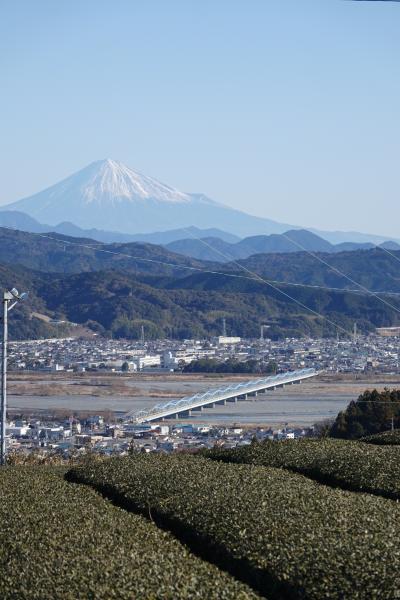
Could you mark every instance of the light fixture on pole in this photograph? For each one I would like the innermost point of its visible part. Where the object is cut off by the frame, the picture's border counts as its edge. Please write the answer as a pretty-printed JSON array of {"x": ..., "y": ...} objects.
[{"x": 10, "y": 299}]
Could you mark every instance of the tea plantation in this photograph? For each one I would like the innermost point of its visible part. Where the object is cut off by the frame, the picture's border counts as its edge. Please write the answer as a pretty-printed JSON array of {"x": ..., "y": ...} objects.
[
  {"x": 62, "y": 541},
  {"x": 387, "y": 438},
  {"x": 286, "y": 535},
  {"x": 277, "y": 520},
  {"x": 351, "y": 465}
]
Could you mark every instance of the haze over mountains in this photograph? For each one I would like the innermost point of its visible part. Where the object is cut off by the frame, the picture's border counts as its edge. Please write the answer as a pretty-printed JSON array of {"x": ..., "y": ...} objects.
[
  {"x": 295, "y": 240},
  {"x": 110, "y": 202},
  {"x": 21, "y": 221},
  {"x": 108, "y": 195},
  {"x": 205, "y": 244}
]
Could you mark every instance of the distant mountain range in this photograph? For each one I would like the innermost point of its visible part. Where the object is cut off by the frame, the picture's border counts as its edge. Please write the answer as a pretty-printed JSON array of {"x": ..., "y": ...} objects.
[
  {"x": 295, "y": 240},
  {"x": 118, "y": 304},
  {"x": 23, "y": 222},
  {"x": 375, "y": 269},
  {"x": 204, "y": 244},
  {"x": 59, "y": 253},
  {"x": 110, "y": 202},
  {"x": 114, "y": 294}
]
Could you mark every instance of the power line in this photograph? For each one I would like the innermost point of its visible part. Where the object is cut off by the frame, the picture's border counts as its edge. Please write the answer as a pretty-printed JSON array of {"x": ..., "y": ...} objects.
[
  {"x": 324, "y": 262},
  {"x": 387, "y": 252},
  {"x": 202, "y": 270},
  {"x": 254, "y": 276},
  {"x": 261, "y": 279},
  {"x": 234, "y": 261}
]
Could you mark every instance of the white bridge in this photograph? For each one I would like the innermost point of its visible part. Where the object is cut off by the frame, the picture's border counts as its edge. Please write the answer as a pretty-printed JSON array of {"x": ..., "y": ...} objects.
[{"x": 232, "y": 393}]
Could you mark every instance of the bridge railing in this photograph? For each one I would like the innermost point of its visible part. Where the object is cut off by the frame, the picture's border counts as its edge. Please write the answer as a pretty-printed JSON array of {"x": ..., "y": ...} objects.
[{"x": 221, "y": 393}]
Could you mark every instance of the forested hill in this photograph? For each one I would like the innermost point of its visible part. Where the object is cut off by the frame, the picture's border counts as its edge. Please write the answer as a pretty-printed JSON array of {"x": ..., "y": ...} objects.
[
  {"x": 116, "y": 294},
  {"x": 375, "y": 269},
  {"x": 21, "y": 323},
  {"x": 58, "y": 253},
  {"x": 112, "y": 302}
]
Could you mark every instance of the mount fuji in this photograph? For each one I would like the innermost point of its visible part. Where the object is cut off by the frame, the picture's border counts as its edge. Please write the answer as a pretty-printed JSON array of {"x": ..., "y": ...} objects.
[{"x": 108, "y": 195}]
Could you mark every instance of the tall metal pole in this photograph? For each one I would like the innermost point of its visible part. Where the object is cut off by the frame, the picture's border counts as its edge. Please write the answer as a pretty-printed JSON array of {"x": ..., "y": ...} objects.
[{"x": 3, "y": 409}]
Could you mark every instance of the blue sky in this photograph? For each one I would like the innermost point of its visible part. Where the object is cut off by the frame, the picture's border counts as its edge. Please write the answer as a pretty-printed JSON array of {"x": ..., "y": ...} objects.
[{"x": 288, "y": 109}]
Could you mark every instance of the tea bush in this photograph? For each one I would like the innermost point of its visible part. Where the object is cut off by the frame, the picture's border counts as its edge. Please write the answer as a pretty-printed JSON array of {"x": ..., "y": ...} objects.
[
  {"x": 62, "y": 541},
  {"x": 286, "y": 534},
  {"x": 387, "y": 438},
  {"x": 347, "y": 464}
]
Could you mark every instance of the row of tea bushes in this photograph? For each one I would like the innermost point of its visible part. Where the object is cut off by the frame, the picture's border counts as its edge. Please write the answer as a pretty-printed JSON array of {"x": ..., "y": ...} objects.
[
  {"x": 386, "y": 438},
  {"x": 63, "y": 541},
  {"x": 286, "y": 534},
  {"x": 346, "y": 464}
]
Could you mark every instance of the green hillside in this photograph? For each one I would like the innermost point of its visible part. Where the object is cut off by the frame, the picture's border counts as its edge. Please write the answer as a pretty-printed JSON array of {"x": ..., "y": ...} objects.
[
  {"x": 56, "y": 253},
  {"x": 117, "y": 294},
  {"x": 374, "y": 269},
  {"x": 112, "y": 302},
  {"x": 120, "y": 303}
]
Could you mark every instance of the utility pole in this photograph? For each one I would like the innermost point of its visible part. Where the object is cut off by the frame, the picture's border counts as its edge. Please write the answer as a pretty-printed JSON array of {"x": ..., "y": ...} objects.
[
  {"x": 262, "y": 329},
  {"x": 7, "y": 298},
  {"x": 224, "y": 327}
]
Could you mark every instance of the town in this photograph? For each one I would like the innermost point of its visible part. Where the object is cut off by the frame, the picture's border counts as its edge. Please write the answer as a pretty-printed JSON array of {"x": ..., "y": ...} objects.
[
  {"x": 379, "y": 353},
  {"x": 71, "y": 435}
]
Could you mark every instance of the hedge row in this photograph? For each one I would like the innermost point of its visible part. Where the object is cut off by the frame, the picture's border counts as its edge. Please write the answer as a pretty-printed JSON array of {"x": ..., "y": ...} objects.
[
  {"x": 287, "y": 535},
  {"x": 62, "y": 541},
  {"x": 387, "y": 438},
  {"x": 342, "y": 463}
]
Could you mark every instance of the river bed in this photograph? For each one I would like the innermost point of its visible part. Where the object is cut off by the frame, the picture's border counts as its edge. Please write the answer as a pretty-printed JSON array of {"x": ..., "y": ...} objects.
[{"x": 301, "y": 405}]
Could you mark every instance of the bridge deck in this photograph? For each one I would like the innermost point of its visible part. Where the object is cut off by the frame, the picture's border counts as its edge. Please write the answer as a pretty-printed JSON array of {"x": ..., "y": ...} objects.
[{"x": 229, "y": 393}]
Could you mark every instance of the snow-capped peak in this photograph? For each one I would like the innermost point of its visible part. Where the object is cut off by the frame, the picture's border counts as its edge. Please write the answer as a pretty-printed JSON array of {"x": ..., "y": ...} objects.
[
  {"x": 111, "y": 180},
  {"x": 109, "y": 195}
]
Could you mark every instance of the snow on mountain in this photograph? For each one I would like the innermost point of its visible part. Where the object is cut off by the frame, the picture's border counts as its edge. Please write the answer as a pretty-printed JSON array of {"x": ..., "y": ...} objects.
[
  {"x": 109, "y": 195},
  {"x": 102, "y": 182},
  {"x": 107, "y": 199},
  {"x": 109, "y": 180}
]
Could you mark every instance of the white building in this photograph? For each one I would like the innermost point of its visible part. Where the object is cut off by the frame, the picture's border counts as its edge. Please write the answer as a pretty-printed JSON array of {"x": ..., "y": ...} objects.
[
  {"x": 142, "y": 362},
  {"x": 227, "y": 340},
  {"x": 17, "y": 431}
]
